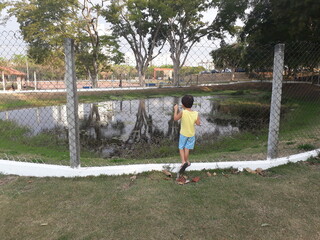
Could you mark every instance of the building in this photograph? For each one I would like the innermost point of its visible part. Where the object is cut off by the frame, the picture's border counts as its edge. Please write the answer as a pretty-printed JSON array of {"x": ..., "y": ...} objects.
[{"x": 13, "y": 76}]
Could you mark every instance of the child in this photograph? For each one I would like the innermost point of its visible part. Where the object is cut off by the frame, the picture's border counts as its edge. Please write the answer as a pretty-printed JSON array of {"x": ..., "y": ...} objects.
[{"x": 187, "y": 132}]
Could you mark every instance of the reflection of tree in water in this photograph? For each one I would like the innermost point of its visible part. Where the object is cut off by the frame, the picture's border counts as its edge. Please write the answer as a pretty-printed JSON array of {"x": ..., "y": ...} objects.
[
  {"x": 143, "y": 130},
  {"x": 173, "y": 126},
  {"x": 95, "y": 126}
]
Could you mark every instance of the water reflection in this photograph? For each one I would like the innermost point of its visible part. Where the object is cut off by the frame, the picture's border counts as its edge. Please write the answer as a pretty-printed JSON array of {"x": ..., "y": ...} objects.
[{"x": 114, "y": 126}]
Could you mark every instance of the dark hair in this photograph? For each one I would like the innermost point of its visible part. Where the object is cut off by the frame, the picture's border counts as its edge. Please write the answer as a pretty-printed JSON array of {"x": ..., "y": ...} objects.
[{"x": 187, "y": 101}]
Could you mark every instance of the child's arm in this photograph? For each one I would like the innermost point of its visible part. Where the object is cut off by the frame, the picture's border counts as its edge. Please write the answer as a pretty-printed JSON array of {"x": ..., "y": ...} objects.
[
  {"x": 198, "y": 121},
  {"x": 176, "y": 115}
]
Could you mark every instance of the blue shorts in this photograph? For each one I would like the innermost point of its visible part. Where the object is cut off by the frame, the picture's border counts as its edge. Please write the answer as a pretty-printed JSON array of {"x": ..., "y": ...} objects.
[{"x": 186, "y": 142}]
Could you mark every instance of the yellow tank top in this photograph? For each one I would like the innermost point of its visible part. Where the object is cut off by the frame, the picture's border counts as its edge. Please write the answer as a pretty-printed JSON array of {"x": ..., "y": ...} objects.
[{"x": 188, "y": 121}]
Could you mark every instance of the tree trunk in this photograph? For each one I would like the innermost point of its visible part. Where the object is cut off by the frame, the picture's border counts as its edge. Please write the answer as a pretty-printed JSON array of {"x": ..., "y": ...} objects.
[
  {"x": 94, "y": 75},
  {"x": 141, "y": 73},
  {"x": 142, "y": 130},
  {"x": 176, "y": 71},
  {"x": 173, "y": 126}
]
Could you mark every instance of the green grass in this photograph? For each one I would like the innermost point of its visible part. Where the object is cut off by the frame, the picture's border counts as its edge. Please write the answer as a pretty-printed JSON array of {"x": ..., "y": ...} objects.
[
  {"x": 15, "y": 142},
  {"x": 300, "y": 127},
  {"x": 306, "y": 147},
  {"x": 304, "y": 114},
  {"x": 281, "y": 204}
]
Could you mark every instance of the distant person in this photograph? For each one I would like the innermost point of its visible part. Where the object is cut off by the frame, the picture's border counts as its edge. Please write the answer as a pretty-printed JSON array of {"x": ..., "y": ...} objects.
[
  {"x": 187, "y": 132},
  {"x": 120, "y": 82}
]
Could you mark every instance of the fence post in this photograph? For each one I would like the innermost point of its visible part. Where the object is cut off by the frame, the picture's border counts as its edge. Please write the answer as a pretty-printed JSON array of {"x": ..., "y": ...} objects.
[
  {"x": 4, "y": 82},
  {"x": 35, "y": 80},
  {"x": 72, "y": 104},
  {"x": 275, "y": 108}
]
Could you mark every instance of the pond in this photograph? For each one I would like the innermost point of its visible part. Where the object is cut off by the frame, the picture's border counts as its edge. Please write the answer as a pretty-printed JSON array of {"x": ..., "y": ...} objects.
[{"x": 113, "y": 128}]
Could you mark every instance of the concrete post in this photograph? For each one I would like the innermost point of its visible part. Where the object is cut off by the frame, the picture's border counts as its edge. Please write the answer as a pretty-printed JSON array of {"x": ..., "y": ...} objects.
[
  {"x": 4, "y": 82},
  {"x": 35, "y": 80},
  {"x": 72, "y": 104},
  {"x": 19, "y": 83},
  {"x": 275, "y": 109}
]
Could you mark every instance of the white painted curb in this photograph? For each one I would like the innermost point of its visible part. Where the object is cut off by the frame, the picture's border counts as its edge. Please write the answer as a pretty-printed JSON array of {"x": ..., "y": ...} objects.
[{"x": 45, "y": 170}]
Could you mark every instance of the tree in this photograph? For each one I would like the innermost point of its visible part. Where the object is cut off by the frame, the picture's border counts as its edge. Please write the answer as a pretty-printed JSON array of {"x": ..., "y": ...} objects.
[
  {"x": 185, "y": 25},
  {"x": 2, "y": 5},
  {"x": 139, "y": 22},
  {"x": 45, "y": 24},
  {"x": 283, "y": 21},
  {"x": 92, "y": 43},
  {"x": 228, "y": 55},
  {"x": 295, "y": 23},
  {"x": 123, "y": 71}
]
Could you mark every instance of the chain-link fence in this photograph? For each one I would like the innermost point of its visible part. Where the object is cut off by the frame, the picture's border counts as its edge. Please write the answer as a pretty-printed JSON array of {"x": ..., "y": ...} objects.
[
  {"x": 299, "y": 126},
  {"x": 50, "y": 110}
]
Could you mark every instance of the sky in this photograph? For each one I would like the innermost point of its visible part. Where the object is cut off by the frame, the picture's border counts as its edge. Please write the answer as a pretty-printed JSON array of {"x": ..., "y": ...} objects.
[{"x": 199, "y": 55}]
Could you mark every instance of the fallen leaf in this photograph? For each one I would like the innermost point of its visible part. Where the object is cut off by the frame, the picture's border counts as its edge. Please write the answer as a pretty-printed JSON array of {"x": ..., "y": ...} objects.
[
  {"x": 133, "y": 178},
  {"x": 44, "y": 224},
  {"x": 259, "y": 171},
  {"x": 167, "y": 178},
  {"x": 214, "y": 174},
  {"x": 181, "y": 180},
  {"x": 225, "y": 175},
  {"x": 234, "y": 171},
  {"x": 195, "y": 179},
  {"x": 249, "y": 170},
  {"x": 209, "y": 174},
  {"x": 265, "y": 224},
  {"x": 167, "y": 173}
]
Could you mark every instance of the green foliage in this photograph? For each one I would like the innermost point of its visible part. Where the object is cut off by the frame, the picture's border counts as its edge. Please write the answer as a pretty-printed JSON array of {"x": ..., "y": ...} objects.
[
  {"x": 184, "y": 27},
  {"x": 306, "y": 147},
  {"x": 283, "y": 21},
  {"x": 45, "y": 24},
  {"x": 2, "y": 5},
  {"x": 228, "y": 13},
  {"x": 229, "y": 56},
  {"x": 139, "y": 22},
  {"x": 123, "y": 71},
  {"x": 185, "y": 71},
  {"x": 295, "y": 23}
]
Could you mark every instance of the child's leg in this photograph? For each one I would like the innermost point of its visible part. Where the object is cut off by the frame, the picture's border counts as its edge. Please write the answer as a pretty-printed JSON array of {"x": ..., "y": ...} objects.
[
  {"x": 182, "y": 156},
  {"x": 186, "y": 155}
]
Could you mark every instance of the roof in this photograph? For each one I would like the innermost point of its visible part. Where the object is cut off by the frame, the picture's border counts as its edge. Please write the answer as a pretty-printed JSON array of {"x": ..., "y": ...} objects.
[{"x": 11, "y": 71}]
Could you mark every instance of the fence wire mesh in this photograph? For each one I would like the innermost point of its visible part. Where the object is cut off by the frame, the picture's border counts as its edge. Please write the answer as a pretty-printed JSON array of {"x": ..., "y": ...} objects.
[
  {"x": 122, "y": 120},
  {"x": 299, "y": 127}
]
